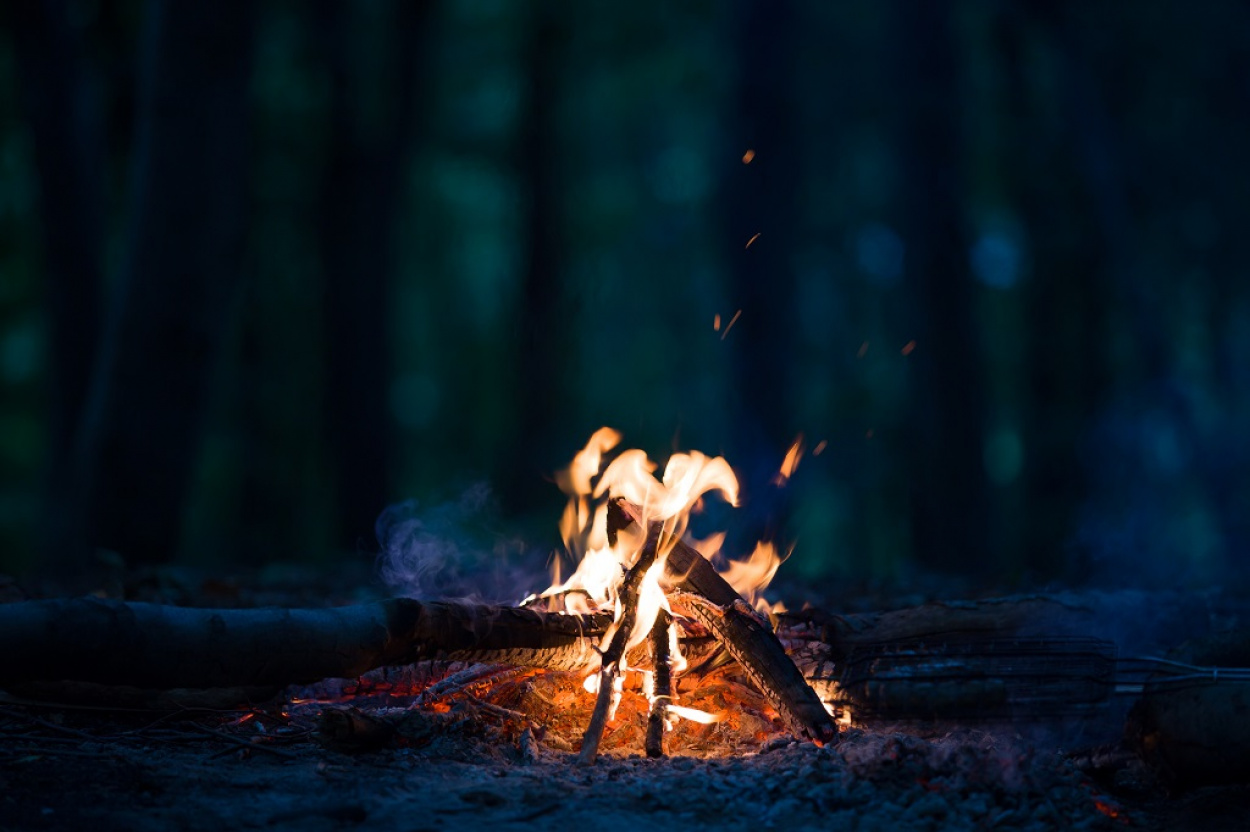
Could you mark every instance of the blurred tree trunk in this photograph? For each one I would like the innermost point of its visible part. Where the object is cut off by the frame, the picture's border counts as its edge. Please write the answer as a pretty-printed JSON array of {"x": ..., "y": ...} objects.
[
  {"x": 542, "y": 362},
  {"x": 371, "y": 52},
  {"x": 763, "y": 198},
  {"x": 182, "y": 268},
  {"x": 948, "y": 484},
  {"x": 1065, "y": 366},
  {"x": 63, "y": 111}
]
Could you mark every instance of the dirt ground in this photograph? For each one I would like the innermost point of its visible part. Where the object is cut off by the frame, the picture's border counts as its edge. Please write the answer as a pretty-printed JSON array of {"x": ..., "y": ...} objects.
[
  {"x": 211, "y": 770},
  {"x": 501, "y": 756}
]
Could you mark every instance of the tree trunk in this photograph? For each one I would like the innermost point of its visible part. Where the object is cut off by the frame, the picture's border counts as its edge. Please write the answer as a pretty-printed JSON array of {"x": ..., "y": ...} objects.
[
  {"x": 62, "y": 109},
  {"x": 183, "y": 267},
  {"x": 542, "y": 359},
  {"x": 373, "y": 118},
  {"x": 948, "y": 485},
  {"x": 763, "y": 198}
]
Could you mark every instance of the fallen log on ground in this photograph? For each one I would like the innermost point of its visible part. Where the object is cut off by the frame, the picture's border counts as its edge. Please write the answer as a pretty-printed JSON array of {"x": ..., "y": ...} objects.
[{"x": 162, "y": 647}]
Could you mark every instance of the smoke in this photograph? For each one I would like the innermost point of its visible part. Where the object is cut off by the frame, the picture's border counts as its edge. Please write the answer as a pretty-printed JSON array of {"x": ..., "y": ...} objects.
[{"x": 450, "y": 551}]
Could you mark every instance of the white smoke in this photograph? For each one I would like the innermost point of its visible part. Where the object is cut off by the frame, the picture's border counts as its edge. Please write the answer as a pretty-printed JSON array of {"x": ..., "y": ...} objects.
[{"x": 450, "y": 551}]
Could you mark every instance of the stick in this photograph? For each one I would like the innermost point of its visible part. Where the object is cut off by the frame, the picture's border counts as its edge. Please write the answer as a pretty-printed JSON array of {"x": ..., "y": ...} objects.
[
  {"x": 663, "y": 693},
  {"x": 610, "y": 664}
]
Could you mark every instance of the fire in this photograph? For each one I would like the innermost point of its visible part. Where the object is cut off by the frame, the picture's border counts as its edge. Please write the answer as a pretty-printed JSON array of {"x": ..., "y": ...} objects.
[{"x": 590, "y": 481}]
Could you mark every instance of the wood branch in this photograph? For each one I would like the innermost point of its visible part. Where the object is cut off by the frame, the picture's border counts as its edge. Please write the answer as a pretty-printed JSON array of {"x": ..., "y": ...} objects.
[
  {"x": 627, "y": 599},
  {"x": 719, "y": 607},
  {"x": 663, "y": 684},
  {"x": 162, "y": 647}
]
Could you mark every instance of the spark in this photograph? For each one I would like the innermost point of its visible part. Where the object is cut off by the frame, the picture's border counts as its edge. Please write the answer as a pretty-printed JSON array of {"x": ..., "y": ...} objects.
[
  {"x": 731, "y": 323},
  {"x": 748, "y": 156},
  {"x": 753, "y": 239},
  {"x": 868, "y": 434},
  {"x": 820, "y": 447},
  {"x": 863, "y": 350},
  {"x": 716, "y": 322},
  {"x": 908, "y": 347}
]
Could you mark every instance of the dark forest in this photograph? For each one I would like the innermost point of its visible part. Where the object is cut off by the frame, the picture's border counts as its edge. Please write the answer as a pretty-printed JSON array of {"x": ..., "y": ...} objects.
[{"x": 269, "y": 268}]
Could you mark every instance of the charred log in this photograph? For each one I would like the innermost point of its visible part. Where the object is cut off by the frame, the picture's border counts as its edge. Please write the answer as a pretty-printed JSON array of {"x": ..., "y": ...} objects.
[
  {"x": 610, "y": 666},
  {"x": 663, "y": 692}
]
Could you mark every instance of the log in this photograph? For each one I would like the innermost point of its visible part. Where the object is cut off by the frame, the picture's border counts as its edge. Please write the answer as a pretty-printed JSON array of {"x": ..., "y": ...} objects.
[
  {"x": 151, "y": 646},
  {"x": 745, "y": 637},
  {"x": 663, "y": 681},
  {"x": 610, "y": 664}
]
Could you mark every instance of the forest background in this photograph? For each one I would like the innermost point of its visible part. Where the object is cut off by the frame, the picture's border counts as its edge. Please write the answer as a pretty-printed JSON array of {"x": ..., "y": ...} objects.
[{"x": 268, "y": 268}]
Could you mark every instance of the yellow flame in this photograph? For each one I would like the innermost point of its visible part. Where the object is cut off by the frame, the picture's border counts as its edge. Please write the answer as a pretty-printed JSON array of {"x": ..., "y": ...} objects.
[
  {"x": 687, "y": 478},
  {"x": 749, "y": 577},
  {"x": 694, "y": 714},
  {"x": 790, "y": 463}
]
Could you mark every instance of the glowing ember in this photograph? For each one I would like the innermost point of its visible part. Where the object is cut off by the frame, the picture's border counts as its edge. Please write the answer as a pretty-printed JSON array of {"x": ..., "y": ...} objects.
[
  {"x": 908, "y": 347},
  {"x": 790, "y": 462},
  {"x": 748, "y": 156},
  {"x": 754, "y": 237},
  {"x": 732, "y": 321}
]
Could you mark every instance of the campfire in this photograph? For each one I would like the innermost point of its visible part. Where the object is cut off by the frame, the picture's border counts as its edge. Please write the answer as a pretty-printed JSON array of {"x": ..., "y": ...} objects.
[
  {"x": 652, "y": 611},
  {"x": 627, "y": 530},
  {"x": 658, "y": 643}
]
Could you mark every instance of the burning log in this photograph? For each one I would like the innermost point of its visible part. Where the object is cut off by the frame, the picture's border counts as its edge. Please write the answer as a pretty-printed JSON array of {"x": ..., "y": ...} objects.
[
  {"x": 162, "y": 647},
  {"x": 757, "y": 649},
  {"x": 610, "y": 665},
  {"x": 663, "y": 690}
]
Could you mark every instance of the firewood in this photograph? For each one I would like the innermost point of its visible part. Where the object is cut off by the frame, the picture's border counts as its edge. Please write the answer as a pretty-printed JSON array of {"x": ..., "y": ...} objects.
[
  {"x": 151, "y": 646},
  {"x": 663, "y": 684},
  {"x": 749, "y": 640},
  {"x": 610, "y": 665}
]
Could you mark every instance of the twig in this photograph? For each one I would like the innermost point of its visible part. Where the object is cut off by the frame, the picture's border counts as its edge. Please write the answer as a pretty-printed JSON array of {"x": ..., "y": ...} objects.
[
  {"x": 611, "y": 661},
  {"x": 663, "y": 692},
  {"x": 52, "y": 726},
  {"x": 460, "y": 679},
  {"x": 221, "y": 735},
  {"x": 497, "y": 710}
]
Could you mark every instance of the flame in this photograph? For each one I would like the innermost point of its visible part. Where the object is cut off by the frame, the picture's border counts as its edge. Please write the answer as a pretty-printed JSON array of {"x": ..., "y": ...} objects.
[
  {"x": 790, "y": 463},
  {"x": 751, "y": 576},
  {"x": 694, "y": 714},
  {"x": 669, "y": 500}
]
